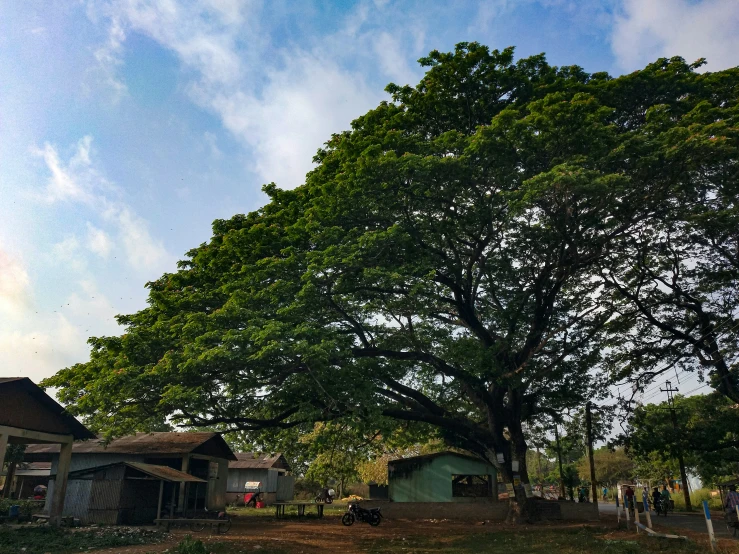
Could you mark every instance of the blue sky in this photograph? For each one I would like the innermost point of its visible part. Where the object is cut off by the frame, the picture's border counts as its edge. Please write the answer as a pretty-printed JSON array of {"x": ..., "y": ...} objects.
[{"x": 128, "y": 126}]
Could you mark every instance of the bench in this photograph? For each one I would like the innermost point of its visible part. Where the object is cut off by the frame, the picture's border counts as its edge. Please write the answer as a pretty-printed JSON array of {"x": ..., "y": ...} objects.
[{"x": 280, "y": 508}]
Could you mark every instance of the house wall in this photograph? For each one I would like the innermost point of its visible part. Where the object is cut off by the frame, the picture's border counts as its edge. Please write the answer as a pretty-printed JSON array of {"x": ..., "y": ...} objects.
[
  {"x": 431, "y": 479},
  {"x": 275, "y": 486},
  {"x": 237, "y": 478}
]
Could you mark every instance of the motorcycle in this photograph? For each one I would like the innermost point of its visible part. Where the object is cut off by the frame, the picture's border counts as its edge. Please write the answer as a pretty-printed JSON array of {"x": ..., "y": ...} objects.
[
  {"x": 356, "y": 513},
  {"x": 326, "y": 496}
]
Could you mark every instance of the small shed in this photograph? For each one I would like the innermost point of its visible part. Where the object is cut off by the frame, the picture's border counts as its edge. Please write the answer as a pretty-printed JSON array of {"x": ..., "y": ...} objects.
[
  {"x": 442, "y": 477},
  {"x": 124, "y": 493},
  {"x": 30, "y": 416},
  {"x": 203, "y": 455},
  {"x": 271, "y": 470}
]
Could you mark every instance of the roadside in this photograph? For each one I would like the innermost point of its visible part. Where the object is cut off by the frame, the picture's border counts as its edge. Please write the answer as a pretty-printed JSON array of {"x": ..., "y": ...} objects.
[{"x": 677, "y": 521}]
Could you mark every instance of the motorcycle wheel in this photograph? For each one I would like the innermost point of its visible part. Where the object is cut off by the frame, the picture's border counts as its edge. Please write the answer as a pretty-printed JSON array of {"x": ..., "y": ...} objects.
[
  {"x": 318, "y": 499},
  {"x": 329, "y": 500},
  {"x": 374, "y": 519},
  {"x": 347, "y": 519}
]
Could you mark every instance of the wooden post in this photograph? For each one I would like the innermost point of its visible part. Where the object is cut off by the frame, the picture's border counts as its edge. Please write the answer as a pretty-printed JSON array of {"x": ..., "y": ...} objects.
[
  {"x": 161, "y": 497},
  {"x": 171, "y": 504},
  {"x": 559, "y": 459},
  {"x": 626, "y": 512},
  {"x": 709, "y": 525},
  {"x": 636, "y": 514},
  {"x": 183, "y": 497},
  {"x": 645, "y": 501},
  {"x": 60, "y": 484},
  {"x": 3, "y": 450},
  {"x": 591, "y": 461}
]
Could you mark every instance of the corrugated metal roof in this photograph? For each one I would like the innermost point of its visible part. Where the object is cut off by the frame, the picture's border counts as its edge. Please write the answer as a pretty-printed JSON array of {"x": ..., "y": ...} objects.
[
  {"x": 415, "y": 459},
  {"x": 254, "y": 460},
  {"x": 160, "y": 444},
  {"x": 163, "y": 473}
]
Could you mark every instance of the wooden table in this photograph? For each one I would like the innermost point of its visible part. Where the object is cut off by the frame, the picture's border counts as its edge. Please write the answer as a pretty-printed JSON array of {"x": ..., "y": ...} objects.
[{"x": 280, "y": 508}]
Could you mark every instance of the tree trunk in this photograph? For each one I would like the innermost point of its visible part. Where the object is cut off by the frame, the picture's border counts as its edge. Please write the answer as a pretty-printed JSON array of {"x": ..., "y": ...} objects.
[
  {"x": 559, "y": 461},
  {"x": 591, "y": 461}
]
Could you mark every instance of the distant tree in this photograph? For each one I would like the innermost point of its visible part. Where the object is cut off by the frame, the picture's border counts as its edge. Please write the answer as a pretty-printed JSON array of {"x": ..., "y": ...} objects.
[
  {"x": 611, "y": 466},
  {"x": 707, "y": 433}
]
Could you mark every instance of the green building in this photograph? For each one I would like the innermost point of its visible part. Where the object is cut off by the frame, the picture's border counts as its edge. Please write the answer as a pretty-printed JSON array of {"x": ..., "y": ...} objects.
[{"x": 442, "y": 477}]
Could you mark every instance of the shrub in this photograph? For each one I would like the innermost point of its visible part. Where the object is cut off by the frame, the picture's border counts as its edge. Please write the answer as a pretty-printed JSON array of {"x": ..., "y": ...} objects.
[
  {"x": 26, "y": 507},
  {"x": 191, "y": 546},
  {"x": 696, "y": 499}
]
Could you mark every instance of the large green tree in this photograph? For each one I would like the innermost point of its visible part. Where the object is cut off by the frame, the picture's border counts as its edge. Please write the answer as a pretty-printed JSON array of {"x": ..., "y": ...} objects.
[
  {"x": 706, "y": 432},
  {"x": 442, "y": 265}
]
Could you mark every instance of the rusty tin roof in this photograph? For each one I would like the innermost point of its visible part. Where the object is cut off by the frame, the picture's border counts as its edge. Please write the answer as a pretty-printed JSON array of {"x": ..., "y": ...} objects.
[
  {"x": 148, "y": 444},
  {"x": 254, "y": 460},
  {"x": 162, "y": 473}
]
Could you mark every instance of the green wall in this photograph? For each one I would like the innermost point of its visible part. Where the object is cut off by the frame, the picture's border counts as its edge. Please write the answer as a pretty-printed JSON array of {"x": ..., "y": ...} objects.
[{"x": 431, "y": 480}]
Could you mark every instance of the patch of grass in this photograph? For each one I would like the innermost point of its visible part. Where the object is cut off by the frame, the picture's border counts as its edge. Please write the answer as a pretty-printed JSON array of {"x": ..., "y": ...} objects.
[
  {"x": 544, "y": 541},
  {"x": 38, "y": 540}
]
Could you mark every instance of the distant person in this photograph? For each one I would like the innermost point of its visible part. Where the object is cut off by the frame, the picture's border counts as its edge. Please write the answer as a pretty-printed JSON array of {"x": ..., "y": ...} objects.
[
  {"x": 605, "y": 493},
  {"x": 655, "y": 499},
  {"x": 732, "y": 500},
  {"x": 665, "y": 498},
  {"x": 629, "y": 497}
]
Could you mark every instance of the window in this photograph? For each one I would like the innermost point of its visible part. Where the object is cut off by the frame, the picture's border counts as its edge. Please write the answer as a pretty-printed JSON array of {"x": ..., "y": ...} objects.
[{"x": 472, "y": 485}]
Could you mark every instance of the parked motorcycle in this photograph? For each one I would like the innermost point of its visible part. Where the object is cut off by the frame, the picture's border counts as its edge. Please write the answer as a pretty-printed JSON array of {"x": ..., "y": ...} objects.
[
  {"x": 357, "y": 513},
  {"x": 326, "y": 496}
]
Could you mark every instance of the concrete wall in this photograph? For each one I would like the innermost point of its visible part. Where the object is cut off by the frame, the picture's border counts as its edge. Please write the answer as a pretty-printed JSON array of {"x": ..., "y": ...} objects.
[
  {"x": 480, "y": 511},
  {"x": 461, "y": 511},
  {"x": 431, "y": 480}
]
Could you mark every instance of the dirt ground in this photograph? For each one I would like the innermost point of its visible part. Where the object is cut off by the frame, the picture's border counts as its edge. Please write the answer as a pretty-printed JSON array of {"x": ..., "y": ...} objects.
[{"x": 255, "y": 534}]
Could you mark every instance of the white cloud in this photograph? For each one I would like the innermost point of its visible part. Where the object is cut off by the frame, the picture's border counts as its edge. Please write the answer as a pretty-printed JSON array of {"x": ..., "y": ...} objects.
[
  {"x": 282, "y": 103},
  {"x": 303, "y": 104},
  {"x": 15, "y": 289},
  {"x": 393, "y": 59},
  {"x": 98, "y": 241},
  {"x": 70, "y": 182},
  {"x": 144, "y": 253},
  {"x": 108, "y": 57},
  {"x": 40, "y": 345},
  {"x": 212, "y": 142},
  {"x": 79, "y": 181},
  {"x": 648, "y": 29}
]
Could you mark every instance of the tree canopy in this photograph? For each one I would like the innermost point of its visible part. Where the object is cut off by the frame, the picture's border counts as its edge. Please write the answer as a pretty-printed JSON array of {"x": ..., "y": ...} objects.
[
  {"x": 707, "y": 433},
  {"x": 459, "y": 259}
]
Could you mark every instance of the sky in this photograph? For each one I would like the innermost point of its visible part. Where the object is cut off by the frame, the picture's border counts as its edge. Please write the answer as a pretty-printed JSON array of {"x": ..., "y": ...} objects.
[{"x": 127, "y": 127}]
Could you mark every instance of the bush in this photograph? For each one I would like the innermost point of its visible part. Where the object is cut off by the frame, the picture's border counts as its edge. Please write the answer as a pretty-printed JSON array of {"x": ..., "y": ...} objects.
[
  {"x": 26, "y": 507},
  {"x": 696, "y": 499},
  {"x": 191, "y": 546},
  {"x": 305, "y": 489}
]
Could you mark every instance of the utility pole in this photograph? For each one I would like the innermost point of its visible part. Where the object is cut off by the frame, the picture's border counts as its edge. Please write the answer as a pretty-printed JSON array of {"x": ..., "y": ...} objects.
[
  {"x": 589, "y": 430},
  {"x": 559, "y": 459},
  {"x": 683, "y": 476}
]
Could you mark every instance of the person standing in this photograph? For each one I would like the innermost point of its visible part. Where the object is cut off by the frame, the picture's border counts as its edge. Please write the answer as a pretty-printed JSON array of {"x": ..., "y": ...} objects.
[
  {"x": 665, "y": 499},
  {"x": 732, "y": 500},
  {"x": 605, "y": 494}
]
